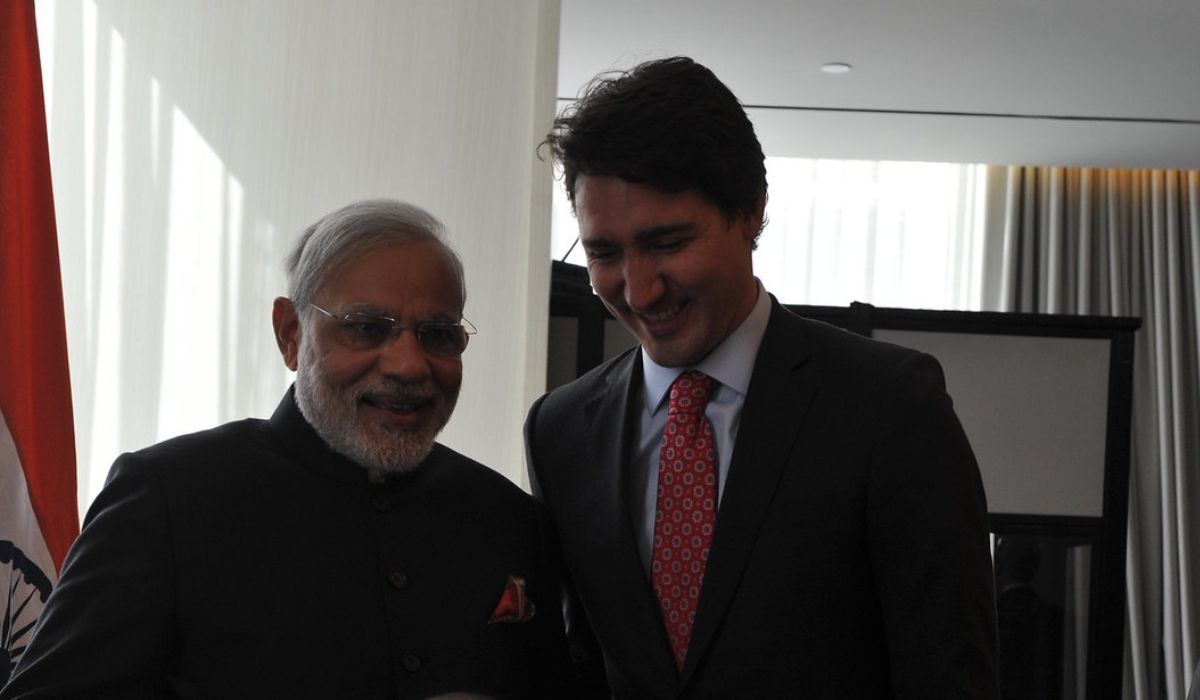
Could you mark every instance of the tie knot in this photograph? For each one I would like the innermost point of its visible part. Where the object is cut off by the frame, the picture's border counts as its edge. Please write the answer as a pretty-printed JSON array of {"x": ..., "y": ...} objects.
[{"x": 690, "y": 392}]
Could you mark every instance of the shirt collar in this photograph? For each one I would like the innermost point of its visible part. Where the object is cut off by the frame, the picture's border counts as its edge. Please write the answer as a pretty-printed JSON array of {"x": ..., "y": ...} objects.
[{"x": 731, "y": 363}]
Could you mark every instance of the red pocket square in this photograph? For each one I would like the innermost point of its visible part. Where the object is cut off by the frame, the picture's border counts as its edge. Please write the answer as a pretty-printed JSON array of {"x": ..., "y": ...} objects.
[{"x": 513, "y": 605}]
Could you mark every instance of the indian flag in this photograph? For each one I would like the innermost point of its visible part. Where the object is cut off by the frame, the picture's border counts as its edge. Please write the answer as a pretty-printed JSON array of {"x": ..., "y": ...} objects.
[{"x": 38, "y": 515}]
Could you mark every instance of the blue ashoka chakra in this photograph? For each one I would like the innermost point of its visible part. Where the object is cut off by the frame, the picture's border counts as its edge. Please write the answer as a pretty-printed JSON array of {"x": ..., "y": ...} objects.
[{"x": 26, "y": 588}]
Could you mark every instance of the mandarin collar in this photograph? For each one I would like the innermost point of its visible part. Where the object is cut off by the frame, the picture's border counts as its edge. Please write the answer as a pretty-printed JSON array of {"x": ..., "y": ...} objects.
[{"x": 296, "y": 436}]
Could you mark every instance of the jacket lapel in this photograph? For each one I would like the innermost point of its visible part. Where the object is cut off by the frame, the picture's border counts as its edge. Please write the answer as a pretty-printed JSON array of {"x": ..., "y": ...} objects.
[
  {"x": 607, "y": 480},
  {"x": 777, "y": 400},
  {"x": 632, "y": 627}
]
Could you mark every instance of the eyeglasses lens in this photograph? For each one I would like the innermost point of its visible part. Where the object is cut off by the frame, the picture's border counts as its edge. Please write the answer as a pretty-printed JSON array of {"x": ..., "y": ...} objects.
[{"x": 364, "y": 332}]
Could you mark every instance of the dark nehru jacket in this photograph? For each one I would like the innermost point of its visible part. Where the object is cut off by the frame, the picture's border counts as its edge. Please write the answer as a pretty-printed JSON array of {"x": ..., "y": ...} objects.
[{"x": 250, "y": 561}]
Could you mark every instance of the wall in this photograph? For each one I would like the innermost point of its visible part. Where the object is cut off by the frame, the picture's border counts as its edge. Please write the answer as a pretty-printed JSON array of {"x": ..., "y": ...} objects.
[{"x": 192, "y": 141}]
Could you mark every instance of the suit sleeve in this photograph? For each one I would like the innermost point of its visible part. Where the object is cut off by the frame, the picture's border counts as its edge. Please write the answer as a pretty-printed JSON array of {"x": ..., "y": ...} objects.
[
  {"x": 587, "y": 660},
  {"x": 552, "y": 662},
  {"x": 928, "y": 539},
  {"x": 107, "y": 629}
]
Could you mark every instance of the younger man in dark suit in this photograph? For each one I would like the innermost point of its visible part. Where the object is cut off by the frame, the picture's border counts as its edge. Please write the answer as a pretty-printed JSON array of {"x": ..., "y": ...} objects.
[
  {"x": 750, "y": 505},
  {"x": 335, "y": 550}
]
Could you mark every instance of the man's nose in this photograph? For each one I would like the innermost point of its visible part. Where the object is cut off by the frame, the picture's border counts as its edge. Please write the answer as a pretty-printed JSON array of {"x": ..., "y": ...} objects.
[
  {"x": 643, "y": 283},
  {"x": 403, "y": 357}
]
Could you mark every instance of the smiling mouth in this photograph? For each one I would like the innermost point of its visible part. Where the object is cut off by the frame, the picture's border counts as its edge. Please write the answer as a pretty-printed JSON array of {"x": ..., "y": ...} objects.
[
  {"x": 661, "y": 321},
  {"x": 401, "y": 410}
]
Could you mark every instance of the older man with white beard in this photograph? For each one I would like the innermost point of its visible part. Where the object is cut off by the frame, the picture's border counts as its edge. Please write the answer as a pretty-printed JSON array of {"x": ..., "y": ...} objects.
[{"x": 335, "y": 550}]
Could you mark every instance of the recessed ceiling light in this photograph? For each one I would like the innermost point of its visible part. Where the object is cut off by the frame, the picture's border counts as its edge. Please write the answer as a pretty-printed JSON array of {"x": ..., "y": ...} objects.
[{"x": 836, "y": 68}]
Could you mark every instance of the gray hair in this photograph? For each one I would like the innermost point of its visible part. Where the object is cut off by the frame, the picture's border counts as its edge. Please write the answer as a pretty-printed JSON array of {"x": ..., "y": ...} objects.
[{"x": 355, "y": 229}]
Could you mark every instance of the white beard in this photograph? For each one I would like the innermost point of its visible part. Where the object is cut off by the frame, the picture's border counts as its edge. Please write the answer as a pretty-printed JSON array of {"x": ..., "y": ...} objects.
[{"x": 333, "y": 413}]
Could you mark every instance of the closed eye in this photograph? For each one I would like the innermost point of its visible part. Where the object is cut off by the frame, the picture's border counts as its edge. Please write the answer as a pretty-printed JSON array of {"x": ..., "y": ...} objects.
[
  {"x": 666, "y": 239},
  {"x": 667, "y": 244},
  {"x": 599, "y": 253}
]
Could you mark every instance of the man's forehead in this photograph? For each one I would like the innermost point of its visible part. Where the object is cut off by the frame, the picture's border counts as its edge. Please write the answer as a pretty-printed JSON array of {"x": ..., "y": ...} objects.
[
  {"x": 414, "y": 271},
  {"x": 614, "y": 207}
]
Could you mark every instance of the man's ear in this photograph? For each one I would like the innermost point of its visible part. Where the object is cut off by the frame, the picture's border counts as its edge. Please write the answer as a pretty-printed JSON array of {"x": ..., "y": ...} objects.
[
  {"x": 754, "y": 221},
  {"x": 287, "y": 330},
  {"x": 760, "y": 214}
]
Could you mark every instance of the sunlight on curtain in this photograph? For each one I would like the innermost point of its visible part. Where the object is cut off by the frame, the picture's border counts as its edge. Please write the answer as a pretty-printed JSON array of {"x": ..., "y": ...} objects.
[
  {"x": 205, "y": 200},
  {"x": 888, "y": 233},
  {"x": 149, "y": 256},
  {"x": 97, "y": 440}
]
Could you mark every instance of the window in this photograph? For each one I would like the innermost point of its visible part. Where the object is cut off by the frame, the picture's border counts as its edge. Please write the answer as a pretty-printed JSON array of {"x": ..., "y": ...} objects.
[{"x": 898, "y": 234}]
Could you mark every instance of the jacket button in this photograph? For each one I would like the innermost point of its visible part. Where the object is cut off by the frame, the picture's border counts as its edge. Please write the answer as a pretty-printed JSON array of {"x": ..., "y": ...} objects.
[
  {"x": 411, "y": 663},
  {"x": 397, "y": 579}
]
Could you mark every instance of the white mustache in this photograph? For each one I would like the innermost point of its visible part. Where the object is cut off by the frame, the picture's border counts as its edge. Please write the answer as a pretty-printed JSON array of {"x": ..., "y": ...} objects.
[{"x": 392, "y": 392}]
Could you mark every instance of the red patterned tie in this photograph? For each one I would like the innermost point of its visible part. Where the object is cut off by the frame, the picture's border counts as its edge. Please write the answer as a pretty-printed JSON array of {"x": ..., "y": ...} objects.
[{"x": 686, "y": 508}]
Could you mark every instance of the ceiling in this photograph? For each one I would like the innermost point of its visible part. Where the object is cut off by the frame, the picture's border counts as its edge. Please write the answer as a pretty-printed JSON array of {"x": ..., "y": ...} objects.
[{"x": 1102, "y": 83}]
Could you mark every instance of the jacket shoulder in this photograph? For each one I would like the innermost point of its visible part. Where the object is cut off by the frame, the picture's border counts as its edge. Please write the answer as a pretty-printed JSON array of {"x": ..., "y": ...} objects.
[
  {"x": 829, "y": 340},
  {"x": 559, "y": 409},
  {"x": 226, "y": 445},
  {"x": 472, "y": 477},
  {"x": 219, "y": 439},
  {"x": 856, "y": 364}
]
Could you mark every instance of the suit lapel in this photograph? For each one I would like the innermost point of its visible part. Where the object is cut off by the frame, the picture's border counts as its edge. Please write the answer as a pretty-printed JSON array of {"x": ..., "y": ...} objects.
[
  {"x": 634, "y": 628},
  {"x": 608, "y": 414},
  {"x": 777, "y": 400}
]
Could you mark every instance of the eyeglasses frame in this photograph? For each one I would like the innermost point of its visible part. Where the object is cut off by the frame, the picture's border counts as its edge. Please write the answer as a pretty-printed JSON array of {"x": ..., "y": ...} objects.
[{"x": 398, "y": 327}]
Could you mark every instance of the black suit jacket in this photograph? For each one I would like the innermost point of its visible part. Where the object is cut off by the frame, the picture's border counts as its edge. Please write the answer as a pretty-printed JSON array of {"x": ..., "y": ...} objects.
[
  {"x": 250, "y": 561},
  {"x": 850, "y": 557}
]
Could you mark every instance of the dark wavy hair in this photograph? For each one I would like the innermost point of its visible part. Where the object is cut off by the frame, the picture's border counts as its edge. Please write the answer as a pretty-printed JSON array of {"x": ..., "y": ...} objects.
[{"x": 670, "y": 124}]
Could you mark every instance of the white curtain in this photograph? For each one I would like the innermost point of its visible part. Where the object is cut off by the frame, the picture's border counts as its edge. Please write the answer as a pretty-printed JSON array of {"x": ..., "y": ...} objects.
[
  {"x": 190, "y": 144},
  {"x": 1127, "y": 243}
]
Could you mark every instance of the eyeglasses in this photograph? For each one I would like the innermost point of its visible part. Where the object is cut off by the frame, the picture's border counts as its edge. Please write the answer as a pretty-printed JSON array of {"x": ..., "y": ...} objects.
[{"x": 367, "y": 331}]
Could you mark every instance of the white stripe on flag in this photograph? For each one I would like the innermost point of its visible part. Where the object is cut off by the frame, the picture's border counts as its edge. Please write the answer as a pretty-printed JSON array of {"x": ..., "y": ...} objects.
[{"x": 25, "y": 564}]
